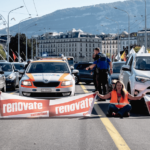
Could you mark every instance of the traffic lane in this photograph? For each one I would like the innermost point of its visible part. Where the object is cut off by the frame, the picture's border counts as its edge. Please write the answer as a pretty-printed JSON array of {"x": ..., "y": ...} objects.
[
  {"x": 54, "y": 133},
  {"x": 134, "y": 129}
]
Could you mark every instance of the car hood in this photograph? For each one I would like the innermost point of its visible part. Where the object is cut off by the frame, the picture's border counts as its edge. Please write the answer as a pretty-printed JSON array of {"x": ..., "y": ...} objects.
[
  {"x": 47, "y": 77},
  {"x": 115, "y": 76},
  {"x": 142, "y": 73},
  {"x": 7, "y": 73}
]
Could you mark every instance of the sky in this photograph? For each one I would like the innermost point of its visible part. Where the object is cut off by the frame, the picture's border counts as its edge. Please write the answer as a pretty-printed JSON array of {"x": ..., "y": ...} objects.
[{"x": 41, "y": 7}]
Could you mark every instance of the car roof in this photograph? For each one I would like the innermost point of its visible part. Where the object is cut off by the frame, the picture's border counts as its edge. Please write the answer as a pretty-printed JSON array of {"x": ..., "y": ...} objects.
[
  {"x": 119, "y": 62},
  {"x": 48, "y": 61},
  {"x": 84, "y": 63},
  {"x": 5, "y": 62},
  {"x": 18, "y": 63}
]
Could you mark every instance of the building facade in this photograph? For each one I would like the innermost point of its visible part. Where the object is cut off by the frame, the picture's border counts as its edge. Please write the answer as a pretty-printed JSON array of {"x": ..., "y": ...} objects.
[
  {"x": 124, "y": 40},
  {"x": 141, "y": 38},
  {"x": 74, "y": 43}
]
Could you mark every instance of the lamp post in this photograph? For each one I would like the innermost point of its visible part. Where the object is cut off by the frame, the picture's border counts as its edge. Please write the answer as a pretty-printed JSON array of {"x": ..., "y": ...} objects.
[
  {"x": 128, "y": 28},
  {"x": 8, "y": 32},
  {"x": 19, "y": 37},
  {"x": 145, "y": 29}
]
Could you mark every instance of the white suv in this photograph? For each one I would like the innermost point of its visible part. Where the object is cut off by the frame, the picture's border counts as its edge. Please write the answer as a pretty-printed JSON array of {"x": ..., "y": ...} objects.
[{"x": 135, "y": 74}]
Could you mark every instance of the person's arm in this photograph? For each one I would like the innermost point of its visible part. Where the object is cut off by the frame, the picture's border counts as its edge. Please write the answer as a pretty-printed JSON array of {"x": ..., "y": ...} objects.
[
  {"x": 135, "y": 98},
  {"x": 103, "y": 96},
  {"x": 110, "y": 64},
  {"x": 91, "y": 67}
]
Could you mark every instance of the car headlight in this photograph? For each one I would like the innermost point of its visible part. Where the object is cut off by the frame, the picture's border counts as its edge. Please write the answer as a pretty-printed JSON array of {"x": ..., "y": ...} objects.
[
  {"x": 141, "y": 79},
  {"x": 26, "y": 83},
  {"x": 66, "y": 83},
  {"x": 11, "y": 76}
]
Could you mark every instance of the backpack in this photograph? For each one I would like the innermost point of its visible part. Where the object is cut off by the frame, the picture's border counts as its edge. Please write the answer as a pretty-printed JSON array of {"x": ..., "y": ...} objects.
[{"x": 102, "y": 57}]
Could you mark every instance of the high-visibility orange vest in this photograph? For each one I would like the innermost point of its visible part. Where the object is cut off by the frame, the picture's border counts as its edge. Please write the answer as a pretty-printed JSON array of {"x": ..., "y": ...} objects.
[{"x": 123, "y": 101}]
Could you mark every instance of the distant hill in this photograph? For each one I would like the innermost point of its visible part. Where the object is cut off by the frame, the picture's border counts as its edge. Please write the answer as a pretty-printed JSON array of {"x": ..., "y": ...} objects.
[{"x": 89, "y": 19}]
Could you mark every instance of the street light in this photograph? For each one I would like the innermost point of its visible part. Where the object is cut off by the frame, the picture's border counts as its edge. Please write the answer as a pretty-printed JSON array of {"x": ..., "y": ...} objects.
[
  {"x": 145, "y": 29},
  {"x": 8, "y": 32},
  {"x": 128, "y": 27},
  {"x": 19, "y": 37}
]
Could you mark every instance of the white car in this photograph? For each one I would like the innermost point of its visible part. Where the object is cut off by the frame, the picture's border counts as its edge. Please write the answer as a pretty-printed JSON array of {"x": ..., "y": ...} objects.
[
  {"x": 135, "y": 74},
  {"x": 47, "y": 78}
]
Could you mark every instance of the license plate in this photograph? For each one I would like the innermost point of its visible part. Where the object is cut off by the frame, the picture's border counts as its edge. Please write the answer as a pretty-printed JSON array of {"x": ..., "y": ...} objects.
[{"x": 46, "y": 90}]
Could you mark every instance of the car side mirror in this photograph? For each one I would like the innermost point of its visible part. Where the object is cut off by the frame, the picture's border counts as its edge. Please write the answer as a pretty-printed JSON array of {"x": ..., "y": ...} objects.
[
  {"x": 1, "y": 72},
  {"x": 126, "y": 68},
  {"x": 71, "y": 67},
  {"x": 21, "y": 71},
  {"x": 75, "y": 71}
]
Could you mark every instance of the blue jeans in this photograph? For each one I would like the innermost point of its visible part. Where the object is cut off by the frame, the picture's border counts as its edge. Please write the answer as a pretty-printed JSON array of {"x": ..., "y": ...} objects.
[{"x": 121, "y": 112}]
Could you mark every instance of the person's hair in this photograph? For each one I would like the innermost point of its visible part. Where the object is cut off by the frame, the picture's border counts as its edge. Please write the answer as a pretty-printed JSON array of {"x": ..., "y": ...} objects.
[
  {"x": 97, "y": 49},
  {"x": 123, "y": 90}
]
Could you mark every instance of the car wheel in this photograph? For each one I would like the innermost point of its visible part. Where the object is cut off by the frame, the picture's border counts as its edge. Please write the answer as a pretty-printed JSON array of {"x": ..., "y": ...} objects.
[
  {"x": 14, "y": 88},
  {"x": 88, "y": 82},
  {"x": 76, "y": 80}
]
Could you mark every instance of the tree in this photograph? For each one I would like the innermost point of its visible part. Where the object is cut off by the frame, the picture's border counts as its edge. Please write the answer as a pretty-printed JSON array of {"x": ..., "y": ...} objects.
[
  {"x": 2, "y": 52},
  {"x": 14, "y": 46}
]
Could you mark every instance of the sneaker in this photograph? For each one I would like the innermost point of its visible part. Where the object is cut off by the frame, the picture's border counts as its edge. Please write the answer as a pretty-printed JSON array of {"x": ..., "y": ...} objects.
[{"x": 108, "y": 114}]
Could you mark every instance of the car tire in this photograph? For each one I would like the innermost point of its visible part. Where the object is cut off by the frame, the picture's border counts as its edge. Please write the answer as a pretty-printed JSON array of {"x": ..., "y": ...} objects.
[
  {"x": 88, "y": 83},
  {"x": 76, "y": 79},
  {"x": 14, "y": 88}
]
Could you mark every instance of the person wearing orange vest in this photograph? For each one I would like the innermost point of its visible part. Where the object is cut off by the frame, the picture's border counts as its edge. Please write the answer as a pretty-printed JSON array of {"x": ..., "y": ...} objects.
[{"x": 119, "y": 104}]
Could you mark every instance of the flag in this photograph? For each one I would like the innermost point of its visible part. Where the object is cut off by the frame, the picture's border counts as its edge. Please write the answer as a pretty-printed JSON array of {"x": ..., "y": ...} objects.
[
  {"x": 123, "y": 56},
  {"x": 14, "y": 56}
]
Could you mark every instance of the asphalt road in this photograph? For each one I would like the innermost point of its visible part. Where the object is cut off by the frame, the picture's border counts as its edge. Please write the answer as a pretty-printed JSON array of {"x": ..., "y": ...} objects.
[{"x": 90, "y": 133}]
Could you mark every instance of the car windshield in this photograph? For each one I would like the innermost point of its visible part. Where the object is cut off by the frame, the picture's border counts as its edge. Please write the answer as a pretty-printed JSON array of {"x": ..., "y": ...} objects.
[
  {"x": 19, "y": 66},
  {"x": 142, "y": 63},
  {"x": 117, "y": 67},
  {"x": 48, "y": 67},
  {"x": 6, "y": 67}
]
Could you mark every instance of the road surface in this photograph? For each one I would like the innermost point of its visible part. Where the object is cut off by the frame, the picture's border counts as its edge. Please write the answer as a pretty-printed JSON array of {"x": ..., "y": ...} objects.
[{"x": 91, "y": 133}]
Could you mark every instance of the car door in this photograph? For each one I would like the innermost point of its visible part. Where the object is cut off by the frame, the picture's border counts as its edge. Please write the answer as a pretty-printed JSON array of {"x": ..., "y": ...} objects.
[
  {"x": 1, "y": 79},
  {"x": 16, "y": 74},
  {"x": 127, "y": 74},
  {"x": 85, "y": 74},
  {"x": 121, "y": 75}
]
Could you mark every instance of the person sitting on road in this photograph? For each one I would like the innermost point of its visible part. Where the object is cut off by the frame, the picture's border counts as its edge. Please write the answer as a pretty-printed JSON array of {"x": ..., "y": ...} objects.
[{"x": 119, "y": 104}]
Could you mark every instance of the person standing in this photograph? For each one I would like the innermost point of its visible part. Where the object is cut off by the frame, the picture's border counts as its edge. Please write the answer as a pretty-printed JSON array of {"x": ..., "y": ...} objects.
[
  {"x": 101, "y": 65},
  {"x": 95, "y": 78}
]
